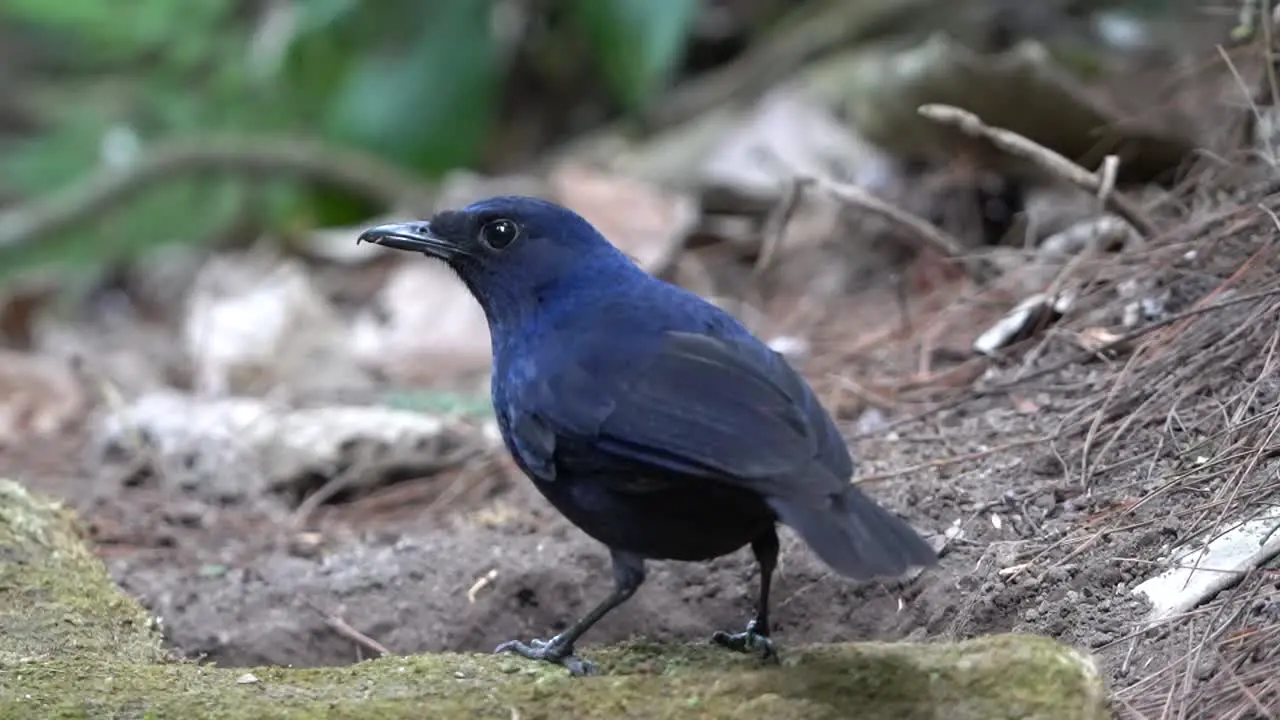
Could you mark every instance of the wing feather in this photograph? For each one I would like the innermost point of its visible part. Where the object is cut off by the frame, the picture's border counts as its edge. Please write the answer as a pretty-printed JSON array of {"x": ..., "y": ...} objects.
[{"x": 700, "y": 406}]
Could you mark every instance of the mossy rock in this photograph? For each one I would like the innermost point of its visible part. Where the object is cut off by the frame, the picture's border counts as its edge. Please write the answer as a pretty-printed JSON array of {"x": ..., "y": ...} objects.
[{"x": 73, "y": 646}]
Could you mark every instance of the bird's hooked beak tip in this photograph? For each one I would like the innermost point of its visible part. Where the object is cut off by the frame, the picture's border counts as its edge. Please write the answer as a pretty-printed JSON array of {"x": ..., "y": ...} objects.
[{"x": 411, "y": 236}]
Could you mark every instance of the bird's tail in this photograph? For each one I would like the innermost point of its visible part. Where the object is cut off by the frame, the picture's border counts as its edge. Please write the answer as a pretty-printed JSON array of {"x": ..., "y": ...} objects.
[{"x": 855, "y": 536}]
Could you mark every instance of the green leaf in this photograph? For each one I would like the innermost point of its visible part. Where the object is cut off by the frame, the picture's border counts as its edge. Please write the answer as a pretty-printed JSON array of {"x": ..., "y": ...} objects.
[
  {"x": 639, "y": 42},
  {"x": 123, "y": 30},
  {"x": 424, "y": 97},
  {"x": 415, "y": 82},
  {"x": 319, "y": 15}
]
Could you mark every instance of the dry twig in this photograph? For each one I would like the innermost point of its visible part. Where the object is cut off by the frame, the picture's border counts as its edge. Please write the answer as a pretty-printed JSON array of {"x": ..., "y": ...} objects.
[
  {"x": 343, "y": 628},
  {"x": 1045, "y": 159},
  {"x": 926, "y": 233}
]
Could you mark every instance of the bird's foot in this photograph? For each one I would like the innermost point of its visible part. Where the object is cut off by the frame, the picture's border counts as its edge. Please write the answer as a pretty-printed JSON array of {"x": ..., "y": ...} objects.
[
  {"x": 554, "y": 650},
  {"x": 748, "y": 641}
]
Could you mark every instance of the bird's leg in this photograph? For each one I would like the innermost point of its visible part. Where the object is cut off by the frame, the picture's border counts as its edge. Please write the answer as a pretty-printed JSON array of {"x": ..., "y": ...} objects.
[
  {"x": 628, "y": 576},
  {"x": 756, "y": 637}
]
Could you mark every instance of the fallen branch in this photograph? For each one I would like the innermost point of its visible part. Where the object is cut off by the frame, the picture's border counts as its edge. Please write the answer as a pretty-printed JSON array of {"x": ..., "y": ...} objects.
[
  {"x": 1047, "y": 160},
  {"x": 925, "y": 233}
]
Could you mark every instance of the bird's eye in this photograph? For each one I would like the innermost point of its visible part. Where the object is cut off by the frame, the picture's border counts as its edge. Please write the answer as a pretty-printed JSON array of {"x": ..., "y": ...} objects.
[{"x": 498, "y": 234}]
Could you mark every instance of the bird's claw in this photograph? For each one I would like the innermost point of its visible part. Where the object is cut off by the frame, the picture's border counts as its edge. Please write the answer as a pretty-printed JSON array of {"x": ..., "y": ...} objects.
[
  {"x": 749, "y": 641},
  {"x": 554, "y": 650}
]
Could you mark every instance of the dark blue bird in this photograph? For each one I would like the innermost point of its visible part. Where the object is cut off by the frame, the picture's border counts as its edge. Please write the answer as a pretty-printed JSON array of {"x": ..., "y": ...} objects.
[{"x": 650, "y": 418}]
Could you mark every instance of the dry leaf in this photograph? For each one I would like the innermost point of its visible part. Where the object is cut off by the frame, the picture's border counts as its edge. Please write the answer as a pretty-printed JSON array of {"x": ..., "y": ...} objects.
[
  {"x": 39, "y": 396},
  {"x": 1095, "y": 338},
  {"x": 242, "y": 449},
  {"x": 1023, "y": 321},
  {"x": 646, "y": 222},
  {"x": 423, "y": 324},
  {"x": 257, "y": 324},
  {"x": 20, "y": 305},
  {"x": 786, "y": 133},
  {"x": 1024, "y": 405},
  {"x": 1104, "y": 233}
]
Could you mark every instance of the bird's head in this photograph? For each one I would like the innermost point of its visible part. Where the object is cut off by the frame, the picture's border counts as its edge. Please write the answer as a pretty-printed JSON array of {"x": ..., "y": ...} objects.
[{"x": 511, "y": 250}]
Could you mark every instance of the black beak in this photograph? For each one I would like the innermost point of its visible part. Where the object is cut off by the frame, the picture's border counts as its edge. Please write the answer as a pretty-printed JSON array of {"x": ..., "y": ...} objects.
[{"x": 411, "y": 236}]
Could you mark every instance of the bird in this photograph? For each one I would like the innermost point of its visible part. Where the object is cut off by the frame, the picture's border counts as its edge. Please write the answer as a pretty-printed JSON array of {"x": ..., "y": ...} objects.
[{"x": 651, "y": 419}]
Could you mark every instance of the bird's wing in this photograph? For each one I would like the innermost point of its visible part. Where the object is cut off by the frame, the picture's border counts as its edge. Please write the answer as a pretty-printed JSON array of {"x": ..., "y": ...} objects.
[{"x": 701, "y": 406}]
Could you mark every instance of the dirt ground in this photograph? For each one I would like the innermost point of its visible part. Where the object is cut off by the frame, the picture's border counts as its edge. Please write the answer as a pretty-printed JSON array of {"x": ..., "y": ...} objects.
[
  {"x": 414, "y": 570},
  {"x": 228, "y": 586}
]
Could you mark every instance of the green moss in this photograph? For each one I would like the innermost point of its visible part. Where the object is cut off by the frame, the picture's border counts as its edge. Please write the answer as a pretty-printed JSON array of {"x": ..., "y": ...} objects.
[
  {"x": 85, "y": 651},
  {"x": 56, "y": 599},
  {"x": 999, "y": 677}
]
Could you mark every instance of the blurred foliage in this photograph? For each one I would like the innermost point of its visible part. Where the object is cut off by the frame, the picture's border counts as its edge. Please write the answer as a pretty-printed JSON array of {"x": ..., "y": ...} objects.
[
  {"x": 87, "y": 85},
  {"x": 637, "y": 40},
  {"x": 414, "y": 83}
]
